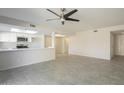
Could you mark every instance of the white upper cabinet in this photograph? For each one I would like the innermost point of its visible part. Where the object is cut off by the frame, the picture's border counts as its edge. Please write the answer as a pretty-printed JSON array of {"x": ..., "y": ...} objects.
[
  {"x": 8, "y": 37},
  {"x": 12, "y": 37}
]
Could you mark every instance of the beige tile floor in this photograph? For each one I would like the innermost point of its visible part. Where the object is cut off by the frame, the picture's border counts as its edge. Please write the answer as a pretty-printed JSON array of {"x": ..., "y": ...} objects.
[{"x": 69, "y": 70}]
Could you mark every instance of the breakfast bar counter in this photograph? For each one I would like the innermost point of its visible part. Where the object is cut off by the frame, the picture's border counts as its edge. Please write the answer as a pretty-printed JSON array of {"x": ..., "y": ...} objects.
[{"x": 12, "y": 58}]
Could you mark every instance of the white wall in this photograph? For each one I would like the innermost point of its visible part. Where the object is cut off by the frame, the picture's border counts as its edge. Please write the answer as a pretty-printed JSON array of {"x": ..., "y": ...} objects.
[
  {"x": 38, "y": 42},
  {"x": 112, "y": 45},
  {"x": 89, "y": 43},
  {"x": 48, "y": 41},
  {"x": 98, "y": 44}
]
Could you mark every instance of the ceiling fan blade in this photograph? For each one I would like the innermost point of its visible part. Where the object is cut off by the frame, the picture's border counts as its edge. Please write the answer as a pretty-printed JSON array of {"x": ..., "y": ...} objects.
[
  {"x": 71, "y": 19},
  {"x": 53, "y": 12},
  {"x": 53, "y": 19},
  {"x": 70, "y": 13}
]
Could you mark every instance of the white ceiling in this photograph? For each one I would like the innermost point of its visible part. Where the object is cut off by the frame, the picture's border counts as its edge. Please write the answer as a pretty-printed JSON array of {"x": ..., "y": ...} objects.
[{"x": 90, "y": 18}]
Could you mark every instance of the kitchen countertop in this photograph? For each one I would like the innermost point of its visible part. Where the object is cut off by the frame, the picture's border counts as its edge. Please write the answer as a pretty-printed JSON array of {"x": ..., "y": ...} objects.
[{"x": 22, "y": 49}]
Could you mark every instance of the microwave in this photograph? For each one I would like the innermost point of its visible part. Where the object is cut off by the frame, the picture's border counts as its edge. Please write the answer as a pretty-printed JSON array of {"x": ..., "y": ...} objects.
[{"x": 22, "y": 39}]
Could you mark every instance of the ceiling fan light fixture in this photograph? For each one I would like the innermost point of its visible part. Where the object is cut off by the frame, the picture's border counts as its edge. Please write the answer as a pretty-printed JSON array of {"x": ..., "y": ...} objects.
[
  {"x": 65, "y": 17},
  {"x": 62, "y": 19}
]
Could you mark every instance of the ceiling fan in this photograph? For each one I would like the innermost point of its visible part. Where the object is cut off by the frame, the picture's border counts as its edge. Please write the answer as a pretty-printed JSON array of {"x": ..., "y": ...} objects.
[{"x": 63, "y": 17}]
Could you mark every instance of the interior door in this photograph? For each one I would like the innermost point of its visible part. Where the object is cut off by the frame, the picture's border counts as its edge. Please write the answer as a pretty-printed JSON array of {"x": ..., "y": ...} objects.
[
  {"x": 119, "y": 47},
  {"x": 122, "y": 44},
  {"x": 59, "y": 45}
]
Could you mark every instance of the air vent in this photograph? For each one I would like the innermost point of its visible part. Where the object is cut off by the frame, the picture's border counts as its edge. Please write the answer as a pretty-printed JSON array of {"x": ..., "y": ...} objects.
[
  {"x": 32, "y": 25},
  {"x": 95, "y": 31}
]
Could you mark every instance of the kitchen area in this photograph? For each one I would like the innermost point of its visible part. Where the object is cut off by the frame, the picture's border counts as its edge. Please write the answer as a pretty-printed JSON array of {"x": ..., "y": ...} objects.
[{"x": 21, "y": 46}]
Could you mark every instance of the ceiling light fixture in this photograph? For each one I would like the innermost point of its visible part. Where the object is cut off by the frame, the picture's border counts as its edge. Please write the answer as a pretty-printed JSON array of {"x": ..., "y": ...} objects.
[
  {"x": 23, "y": 31},
  {"x": 59, "y": 35}
]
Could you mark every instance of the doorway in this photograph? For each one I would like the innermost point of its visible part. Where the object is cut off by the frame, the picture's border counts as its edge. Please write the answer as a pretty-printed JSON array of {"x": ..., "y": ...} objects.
[
  {"x": 117, "y": 43},
  {"x": 61, "y": 46}
]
